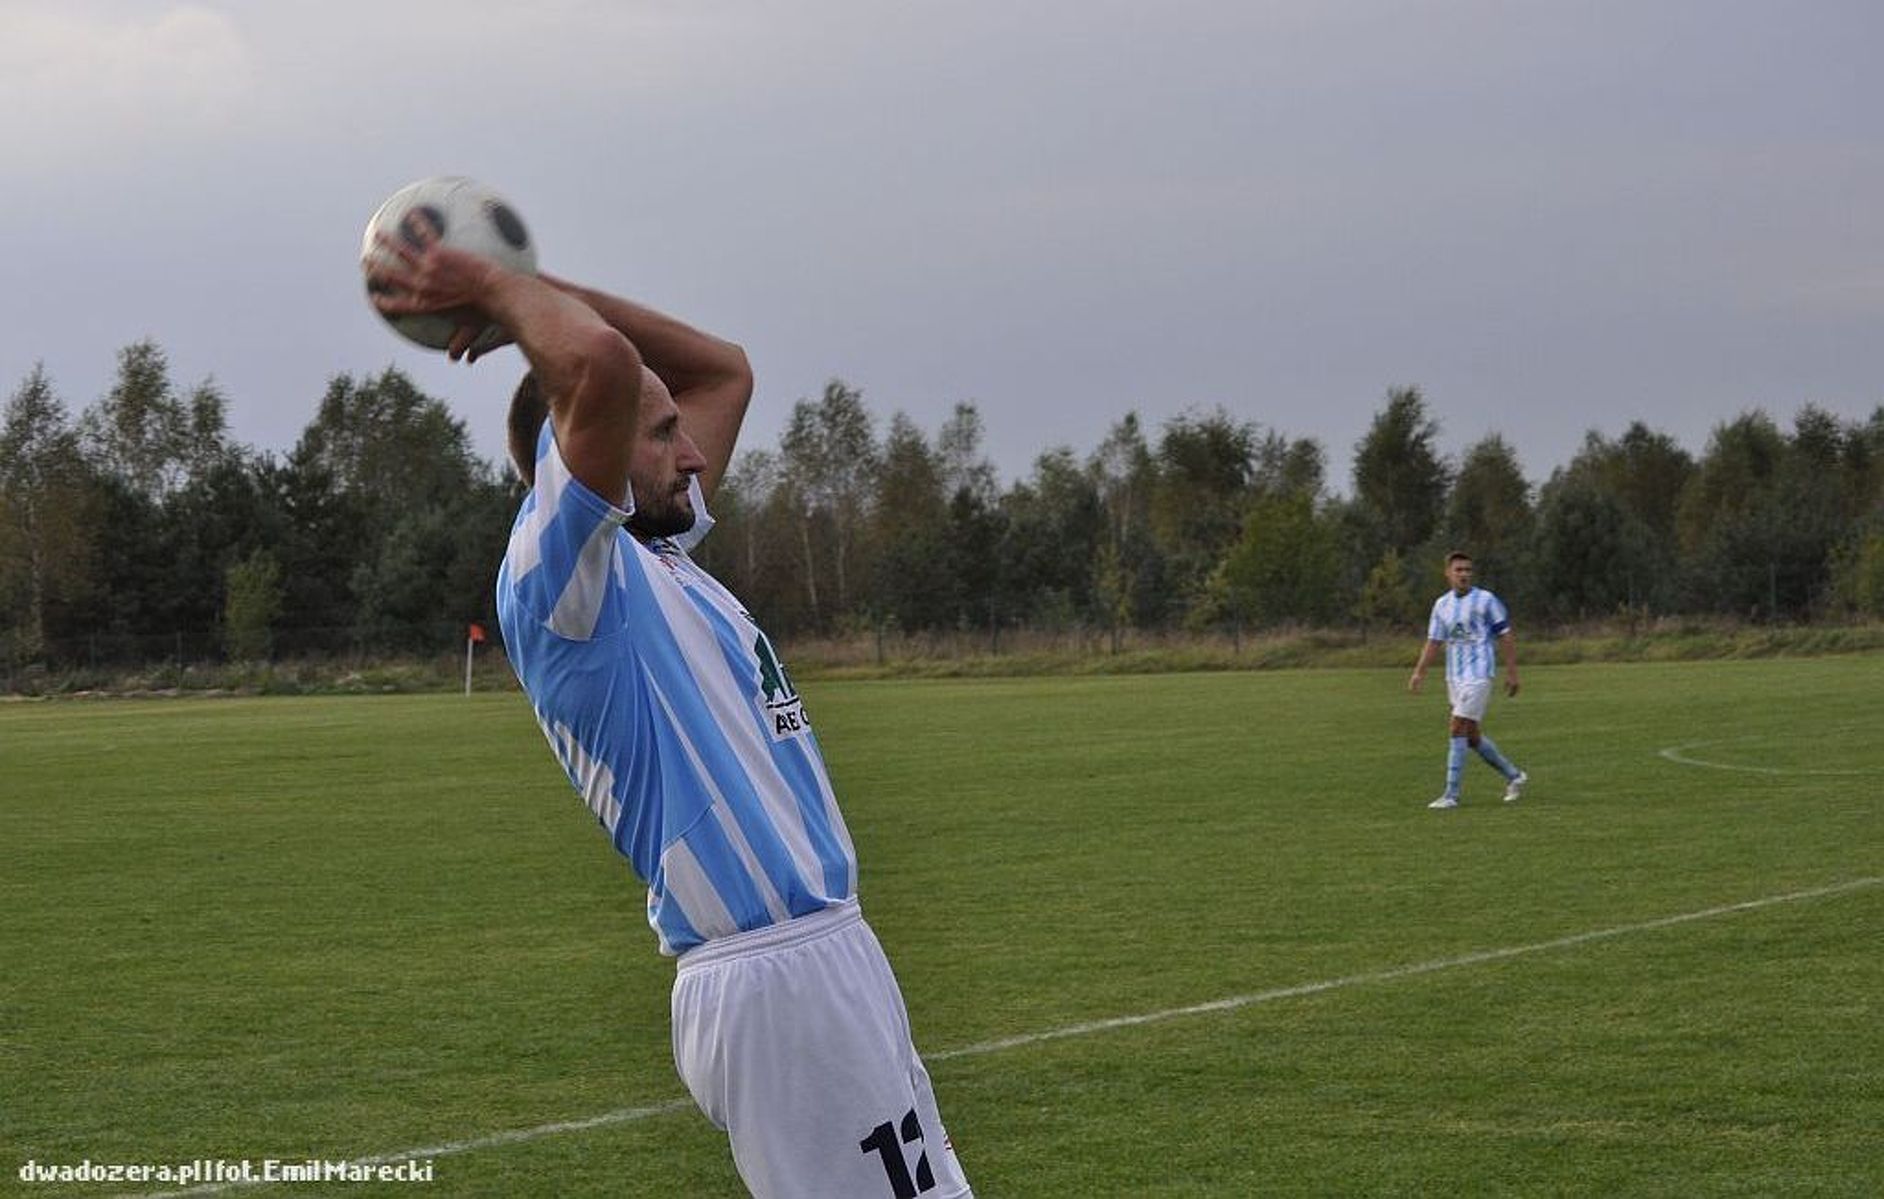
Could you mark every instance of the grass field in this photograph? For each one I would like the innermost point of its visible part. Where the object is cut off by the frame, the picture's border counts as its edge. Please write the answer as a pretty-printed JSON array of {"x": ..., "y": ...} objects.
[{"x": 358, "y": 927}]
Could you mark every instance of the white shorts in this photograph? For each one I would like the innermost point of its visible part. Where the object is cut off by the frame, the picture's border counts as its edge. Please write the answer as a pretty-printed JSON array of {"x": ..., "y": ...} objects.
[
  {"x": 794, "y": 1039},
  {"x": 1470, "y": 697}
]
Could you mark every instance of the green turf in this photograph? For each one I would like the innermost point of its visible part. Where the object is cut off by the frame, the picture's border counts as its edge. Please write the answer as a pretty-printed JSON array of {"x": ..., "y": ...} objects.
[{"x": 346, "y": 927}]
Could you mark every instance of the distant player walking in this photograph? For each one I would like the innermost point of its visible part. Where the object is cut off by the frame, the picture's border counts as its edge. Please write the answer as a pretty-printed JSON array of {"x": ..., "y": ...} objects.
[
  {"x": 669, "y": 711},
  {"x": 1466, "y": 622}
]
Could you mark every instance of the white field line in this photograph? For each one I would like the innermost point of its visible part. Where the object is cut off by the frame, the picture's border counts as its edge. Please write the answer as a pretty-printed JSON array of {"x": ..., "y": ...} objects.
[
  {"x": 1679, "y": 754},
  {"x": 632, "y": 1115}
]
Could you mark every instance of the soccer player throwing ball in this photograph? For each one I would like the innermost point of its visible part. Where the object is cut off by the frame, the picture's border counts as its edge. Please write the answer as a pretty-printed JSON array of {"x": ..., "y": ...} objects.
[
  {"x": 670, "y": 713},
  {"x": 1466, "y": 621}
]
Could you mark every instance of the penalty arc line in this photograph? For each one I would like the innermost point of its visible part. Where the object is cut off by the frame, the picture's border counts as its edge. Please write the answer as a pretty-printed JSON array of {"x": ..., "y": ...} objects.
[
  {"x": 636, "y": 1114},
  {"x": 1678, "y": 755}
]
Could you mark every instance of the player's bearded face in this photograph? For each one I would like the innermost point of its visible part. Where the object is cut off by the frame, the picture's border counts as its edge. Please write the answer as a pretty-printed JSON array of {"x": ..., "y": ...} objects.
[
  {"x": 662, "y": 465},
  {"x": 662, "y": 507}
]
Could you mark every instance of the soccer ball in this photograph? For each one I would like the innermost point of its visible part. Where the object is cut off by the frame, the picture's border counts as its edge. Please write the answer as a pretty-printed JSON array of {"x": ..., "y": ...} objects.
[{"x": 469, "y": 216}]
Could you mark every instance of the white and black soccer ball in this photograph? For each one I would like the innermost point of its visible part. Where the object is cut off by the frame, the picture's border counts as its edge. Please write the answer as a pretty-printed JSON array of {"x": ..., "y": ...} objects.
[{"x": 469, "y": 216}]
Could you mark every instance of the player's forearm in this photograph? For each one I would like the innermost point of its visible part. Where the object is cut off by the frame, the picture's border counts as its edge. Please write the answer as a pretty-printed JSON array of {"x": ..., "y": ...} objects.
[
  {"x": 709, "y": 377},
  {"x": 1428, "y": 652},
  {"x": 1508, "y": 649},
  {"x": 686, "y": 358},
  {"x": 570, "y": 346}
]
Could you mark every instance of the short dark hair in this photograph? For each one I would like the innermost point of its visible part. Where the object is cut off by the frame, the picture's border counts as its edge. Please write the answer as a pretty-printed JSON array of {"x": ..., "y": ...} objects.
[
  {"x": 528, "y": 410},
  {"x": 1455, "y": 556}
]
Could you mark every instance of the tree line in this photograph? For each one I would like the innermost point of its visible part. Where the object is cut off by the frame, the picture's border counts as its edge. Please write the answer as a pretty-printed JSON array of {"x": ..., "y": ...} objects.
[
  {"x": 138, "y": 530},
  {"x": 1212, "y": 522}
]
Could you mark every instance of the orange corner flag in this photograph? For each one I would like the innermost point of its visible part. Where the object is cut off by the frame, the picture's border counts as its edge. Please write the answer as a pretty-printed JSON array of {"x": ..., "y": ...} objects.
[{"x": 477, "y": 632}]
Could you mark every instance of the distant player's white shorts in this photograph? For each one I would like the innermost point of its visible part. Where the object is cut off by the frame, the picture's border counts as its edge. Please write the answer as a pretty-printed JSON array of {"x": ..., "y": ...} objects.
[
  {"x": 1470, "y": 697},
  {"x": 794, "y": 1039}
]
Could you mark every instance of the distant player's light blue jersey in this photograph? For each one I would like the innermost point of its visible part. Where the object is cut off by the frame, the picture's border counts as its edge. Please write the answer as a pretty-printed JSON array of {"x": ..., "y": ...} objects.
[
  {"x": 1470, "y": 625},
  {"x": 670, "y": 714}
]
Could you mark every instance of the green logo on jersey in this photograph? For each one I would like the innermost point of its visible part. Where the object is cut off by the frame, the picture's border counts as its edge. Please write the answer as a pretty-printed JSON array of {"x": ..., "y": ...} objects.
[
  {"x": 784, "y": 710},
  {"x": 772, "y": 676}
]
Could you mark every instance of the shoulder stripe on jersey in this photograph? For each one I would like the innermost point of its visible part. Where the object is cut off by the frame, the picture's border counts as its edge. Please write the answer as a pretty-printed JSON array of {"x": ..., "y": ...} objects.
[
  {"x": 581, "y": 600},
  {"x": 525, "y": 552}
]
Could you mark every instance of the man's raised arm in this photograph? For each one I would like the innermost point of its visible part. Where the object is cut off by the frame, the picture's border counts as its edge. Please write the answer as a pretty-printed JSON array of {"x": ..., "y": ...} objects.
[
  {"x": 709, "y": 377},
  {"x": 590, "y": 373}
]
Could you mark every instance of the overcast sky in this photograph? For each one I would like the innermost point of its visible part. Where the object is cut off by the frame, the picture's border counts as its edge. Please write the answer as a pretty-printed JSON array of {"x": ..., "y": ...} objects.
[{"x": 1549, "y": 216}]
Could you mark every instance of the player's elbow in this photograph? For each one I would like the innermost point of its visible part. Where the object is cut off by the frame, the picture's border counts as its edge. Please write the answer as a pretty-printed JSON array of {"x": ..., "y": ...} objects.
[
  {"x": 611, "y": 358},
  {"x": 604, "y": 369},
  {"x": 737, "y": 369}
]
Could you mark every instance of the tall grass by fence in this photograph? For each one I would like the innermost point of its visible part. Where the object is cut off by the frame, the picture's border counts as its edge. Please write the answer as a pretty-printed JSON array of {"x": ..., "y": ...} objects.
[{"x": 164, "y": 665}]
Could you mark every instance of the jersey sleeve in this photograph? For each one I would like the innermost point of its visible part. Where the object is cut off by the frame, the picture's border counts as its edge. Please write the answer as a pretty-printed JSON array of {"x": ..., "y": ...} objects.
[
  {"x": 1436, "y": 626},
  {"x": 564, "y": 566},
  {"x": 1497, "y": 618}
]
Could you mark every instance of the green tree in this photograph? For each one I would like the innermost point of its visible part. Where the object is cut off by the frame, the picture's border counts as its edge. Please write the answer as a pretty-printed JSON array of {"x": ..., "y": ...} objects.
[
  {"x": 433, "y": 570},
  {"x": 1734, "y": 477},
  {"x": 1128, "y": 568},
  {"x": 974, "y": 526},
  {"x": 48, "y": 518},
  {"x": 1858, "y": 574},
  {"x": 1645, "y": 472},
  {"x": 913, "y": 587},
  {"x": 319, "y": 540},
  {"x": 1204, "y": 465},
  {"x": 139, "y": 431},
  {"x": 1488, "y": 514},
  {"x": 388, "y": 444},
  {"x": 1054, "y": 526},
  {"x": 1593, "y": 555},
  {"x": 961, "y": 459},
  {"x": 1400, "y": 480},
  {"x": 1763, "y": 514},
  {"x": 1862, "y": 467},
  {"x": 206, "y": 429},
  {"x": 1286, "y": 566},
  {"x": 392, "y": 466},
  {"x": 1386, "y": 598},
  {"x": 1285, "y": 467},
  {"x": 756, "y": 544},
  {"x": 830, "y": 459},
  {"x": 216, "y": 519},
  {"x": 251, "y": 606}
]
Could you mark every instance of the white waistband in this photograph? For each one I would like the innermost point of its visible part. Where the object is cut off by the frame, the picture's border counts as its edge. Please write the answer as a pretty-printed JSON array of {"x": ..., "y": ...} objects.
[{"x": 795, "y": 931}]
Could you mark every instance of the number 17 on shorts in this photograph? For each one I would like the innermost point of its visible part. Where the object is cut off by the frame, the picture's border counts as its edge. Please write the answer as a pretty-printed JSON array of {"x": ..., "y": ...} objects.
[{"x": 905, "y": 1159}]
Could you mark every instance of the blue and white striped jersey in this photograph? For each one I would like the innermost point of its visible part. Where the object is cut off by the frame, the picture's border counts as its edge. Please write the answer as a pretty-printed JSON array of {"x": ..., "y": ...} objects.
[
  {"x": 670, "y": 714},
  {"x": 1470, "y": 625}
]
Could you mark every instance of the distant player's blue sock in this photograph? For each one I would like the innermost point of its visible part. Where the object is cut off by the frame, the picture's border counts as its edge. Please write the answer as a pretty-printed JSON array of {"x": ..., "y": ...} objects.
[
  {"x": 1489, "y": 751},
  {"x": 1455, "y": 765}
]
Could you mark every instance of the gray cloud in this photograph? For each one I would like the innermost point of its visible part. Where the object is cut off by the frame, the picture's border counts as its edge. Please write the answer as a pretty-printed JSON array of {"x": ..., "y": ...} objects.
[{"x": 1551, "y": 217}]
